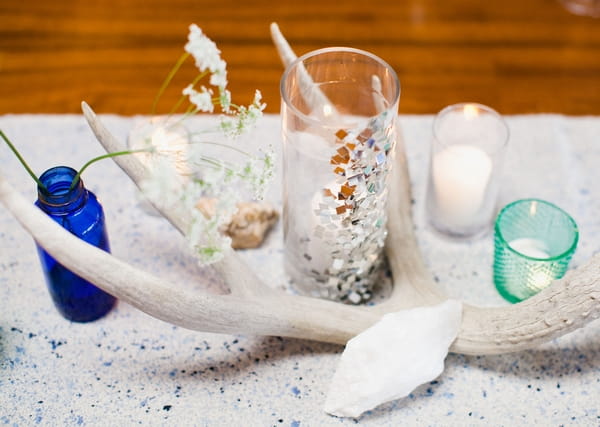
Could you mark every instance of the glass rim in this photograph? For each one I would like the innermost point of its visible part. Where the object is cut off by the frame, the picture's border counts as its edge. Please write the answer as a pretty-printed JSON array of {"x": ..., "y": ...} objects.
[
  {"x": 570, "y": 219},
  {"x": 483, "y": 107},
  {"x": 63, "y": 198},
  {"x": 313, "y": 53}
]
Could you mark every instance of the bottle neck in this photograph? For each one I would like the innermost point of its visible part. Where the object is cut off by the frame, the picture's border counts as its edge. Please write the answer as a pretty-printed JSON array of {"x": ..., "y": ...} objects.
[{"x": 58, "y": 197}]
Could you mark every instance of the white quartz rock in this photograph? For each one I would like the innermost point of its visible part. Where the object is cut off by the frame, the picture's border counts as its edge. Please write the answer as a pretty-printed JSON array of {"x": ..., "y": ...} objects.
[{"x": 390, "y": 359}]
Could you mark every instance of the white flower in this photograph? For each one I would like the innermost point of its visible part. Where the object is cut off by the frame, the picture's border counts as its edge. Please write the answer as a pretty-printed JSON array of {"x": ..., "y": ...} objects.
[
  {"x": 205, "y": 236},
  {"x": 206, "y": 240},
  {"x": 245, "y": 118},
  {"x": 227, "y": 205},
  {"x": 190, "y": 195},
  {"x": 225, "y": 100},
  {"x": 205, "y": 52},
  {"x": 164, "y": 185},
  {"x": 202, "y": 100},
  {"x": 219, "y": 77},
  {"x": 212, "y": 177},
  {"x": 257, "y": 106},
  {"x": 258, "y": 172},
  {"x": 257, "y": 98},
  {"x": 185, "y": 169}
]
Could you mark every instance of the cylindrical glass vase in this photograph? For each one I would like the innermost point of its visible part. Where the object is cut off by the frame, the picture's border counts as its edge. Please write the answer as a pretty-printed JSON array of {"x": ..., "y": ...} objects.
[
  {"x": 339, "y": 109},
  {"x": 78, "y": 211}
]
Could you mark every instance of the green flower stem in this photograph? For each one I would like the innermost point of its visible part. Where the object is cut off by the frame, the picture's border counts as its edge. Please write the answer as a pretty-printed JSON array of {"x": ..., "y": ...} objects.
[
  {"x": 168, "y": 79},
  {"x": 217, "y": 164},
  {"x": 22, "y": 160},
  {"x": 191, "y": 110},
  {"x": 106, "y": 156},
  {"x": 177, "y": 105}
]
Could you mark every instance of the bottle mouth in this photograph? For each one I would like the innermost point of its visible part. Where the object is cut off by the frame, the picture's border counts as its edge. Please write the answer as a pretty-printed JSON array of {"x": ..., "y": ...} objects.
[{"x": 57, "y": 182}]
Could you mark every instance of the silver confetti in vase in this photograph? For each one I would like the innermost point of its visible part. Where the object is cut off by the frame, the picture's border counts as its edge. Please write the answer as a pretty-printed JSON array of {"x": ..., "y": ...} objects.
[{"x": 339, "y": 108}]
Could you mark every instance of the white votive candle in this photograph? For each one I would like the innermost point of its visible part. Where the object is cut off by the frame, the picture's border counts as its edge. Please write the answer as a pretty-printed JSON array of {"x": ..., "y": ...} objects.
[
  {"x": 533, "y": 248},
  {"x": 467, "y": 152},
  {"x": 461, "y": 174}
]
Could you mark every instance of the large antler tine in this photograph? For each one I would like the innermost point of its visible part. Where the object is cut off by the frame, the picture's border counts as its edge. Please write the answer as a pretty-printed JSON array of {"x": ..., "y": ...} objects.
[
  {"x": 312, "y": 94},
  {"x": 567, "y": 304},
  {"x": 412, "y": 282},
  {"x": 270, "y": 315},
  {"x": 130, "y": 164},
  {"x": 236, "y": 274},
  {"x": 286, "y": 53}
]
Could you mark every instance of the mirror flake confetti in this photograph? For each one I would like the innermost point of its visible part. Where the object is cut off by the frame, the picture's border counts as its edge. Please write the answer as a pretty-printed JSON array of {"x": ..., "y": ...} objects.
[{"x": 351, "y": 217}]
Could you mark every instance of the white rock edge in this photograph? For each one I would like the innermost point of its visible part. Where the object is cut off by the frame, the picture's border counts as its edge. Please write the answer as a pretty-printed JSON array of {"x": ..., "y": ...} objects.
[{"x": 393, "y": 357}]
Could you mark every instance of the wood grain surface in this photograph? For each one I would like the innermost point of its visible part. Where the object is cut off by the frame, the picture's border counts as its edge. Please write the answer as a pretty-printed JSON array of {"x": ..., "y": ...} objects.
[{"x": 518, "y": 56}]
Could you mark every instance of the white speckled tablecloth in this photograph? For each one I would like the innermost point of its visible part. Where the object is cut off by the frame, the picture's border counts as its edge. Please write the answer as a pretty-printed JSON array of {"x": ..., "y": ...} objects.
[{"x": 128, "y": 368}]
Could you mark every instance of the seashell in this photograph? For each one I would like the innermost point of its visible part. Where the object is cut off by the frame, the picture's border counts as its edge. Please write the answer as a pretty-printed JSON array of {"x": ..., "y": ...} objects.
[{"x": 249, "y": 224}]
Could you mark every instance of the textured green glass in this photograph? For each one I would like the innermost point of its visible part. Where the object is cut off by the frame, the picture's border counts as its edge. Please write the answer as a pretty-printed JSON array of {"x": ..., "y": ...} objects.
[{"x": 533, "y": 243}]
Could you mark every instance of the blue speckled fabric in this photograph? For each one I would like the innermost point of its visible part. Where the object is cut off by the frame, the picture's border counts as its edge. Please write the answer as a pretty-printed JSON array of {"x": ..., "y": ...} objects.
[{"x": 128, "y": 368}]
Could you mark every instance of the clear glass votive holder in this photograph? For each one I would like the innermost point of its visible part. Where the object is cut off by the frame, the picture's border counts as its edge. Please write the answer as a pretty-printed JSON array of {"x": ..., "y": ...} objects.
[
  {"x": 466, "y": 157},
  {"x": 170, "y": 139},
  {"x": 533, "y": 244},
  {"x": 338, "y": 109}
]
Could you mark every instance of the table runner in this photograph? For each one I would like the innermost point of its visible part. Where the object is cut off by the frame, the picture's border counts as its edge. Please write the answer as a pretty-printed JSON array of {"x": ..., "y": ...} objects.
[{"x": 140, "y": 369}]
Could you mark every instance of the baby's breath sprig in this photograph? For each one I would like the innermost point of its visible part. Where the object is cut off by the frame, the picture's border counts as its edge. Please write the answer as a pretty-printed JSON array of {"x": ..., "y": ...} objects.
[{"x": 185, "y": 167}]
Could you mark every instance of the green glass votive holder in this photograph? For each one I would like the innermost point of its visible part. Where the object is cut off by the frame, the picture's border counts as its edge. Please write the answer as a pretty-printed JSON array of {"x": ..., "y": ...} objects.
[{"x": 533, "y": 243}]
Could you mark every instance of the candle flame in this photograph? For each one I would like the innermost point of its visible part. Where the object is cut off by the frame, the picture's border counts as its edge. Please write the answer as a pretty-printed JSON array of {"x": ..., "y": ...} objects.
[
  {"x": 173, "y": 145},
  {"x": 533, "y": 209},
  {"x": 470, "y": 111},
  {"x": 539, "y": 280}
]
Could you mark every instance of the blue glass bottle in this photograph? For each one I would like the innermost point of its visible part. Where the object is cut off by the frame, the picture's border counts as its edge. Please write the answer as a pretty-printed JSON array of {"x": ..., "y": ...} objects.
[{"x": 78, "y": 211}]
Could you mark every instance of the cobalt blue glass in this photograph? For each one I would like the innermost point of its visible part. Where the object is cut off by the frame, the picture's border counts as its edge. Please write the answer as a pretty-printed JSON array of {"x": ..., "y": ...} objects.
[{"x": 78, "y": 211}]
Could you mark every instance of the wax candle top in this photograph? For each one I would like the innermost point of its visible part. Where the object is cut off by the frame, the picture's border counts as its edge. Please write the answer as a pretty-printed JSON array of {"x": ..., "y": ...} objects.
[{"x": 533, "y": 248}]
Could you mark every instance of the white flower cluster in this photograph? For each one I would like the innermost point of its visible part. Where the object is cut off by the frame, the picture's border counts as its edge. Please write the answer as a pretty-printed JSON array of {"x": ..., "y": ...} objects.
[
  {"x": 207, "y": 56},
  {"x": 202, "y": 100},
  {"x": 237, "y": 119},
  {"x": 245, "y": 118},
  {"x": 206, "y": 173}
]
